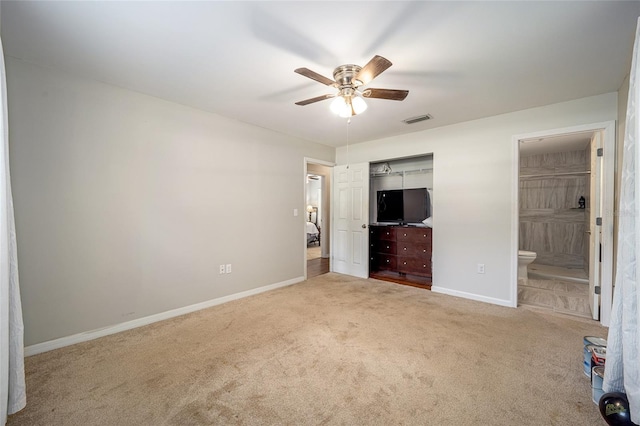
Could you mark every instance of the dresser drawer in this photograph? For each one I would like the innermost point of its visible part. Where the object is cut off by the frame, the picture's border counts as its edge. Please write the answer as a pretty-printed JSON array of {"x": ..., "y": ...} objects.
[
  {"x": 383, "y": 261},
  {"x": 415, "y": 266},
  {"x": 420, "y": 249},
  {"x": 382, "y": 246},
  {"x": 414, "y": 235},
  {"x": 383, "y": 233}
]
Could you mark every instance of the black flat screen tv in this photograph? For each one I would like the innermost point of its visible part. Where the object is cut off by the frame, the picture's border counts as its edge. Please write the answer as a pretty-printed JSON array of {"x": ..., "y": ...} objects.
[{"x": 403, "y": 205}]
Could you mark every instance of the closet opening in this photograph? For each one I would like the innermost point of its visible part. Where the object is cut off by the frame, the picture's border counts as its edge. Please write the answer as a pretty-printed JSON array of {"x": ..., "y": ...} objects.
[{"x": 401, "y": 221}]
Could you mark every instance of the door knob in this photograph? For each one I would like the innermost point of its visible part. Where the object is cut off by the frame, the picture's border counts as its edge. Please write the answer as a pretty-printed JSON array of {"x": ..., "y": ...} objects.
[{"x": 364, "y": 226}]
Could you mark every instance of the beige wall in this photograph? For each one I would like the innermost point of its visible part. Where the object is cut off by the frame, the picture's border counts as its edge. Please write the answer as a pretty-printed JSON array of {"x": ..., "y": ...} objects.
[
  {"x": 475, "y": 187},
  {"x": 126, "y": 204},
  {"x": 623, "y": 98}
]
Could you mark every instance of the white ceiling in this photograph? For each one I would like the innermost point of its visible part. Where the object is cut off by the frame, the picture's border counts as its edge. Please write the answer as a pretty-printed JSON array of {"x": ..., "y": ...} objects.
[{"x": 459, "y": 60}]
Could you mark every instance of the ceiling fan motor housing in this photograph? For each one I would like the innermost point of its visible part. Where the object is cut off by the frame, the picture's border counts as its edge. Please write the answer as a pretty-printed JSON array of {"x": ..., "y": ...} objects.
[{"x": 344, "y": 75}]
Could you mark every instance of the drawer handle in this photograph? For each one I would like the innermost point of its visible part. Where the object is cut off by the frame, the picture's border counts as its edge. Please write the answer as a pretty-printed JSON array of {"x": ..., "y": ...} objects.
[
  {"x": 405, "y": 234},
  {"x": 387, "y": 260},
  {"x": 405, "y": 263},
  {"x": 387, "y": 246},
  {"x": 424, "y": 266},
  {"x": 424, "y": 251},
  {"x": 405, "y": 249}
]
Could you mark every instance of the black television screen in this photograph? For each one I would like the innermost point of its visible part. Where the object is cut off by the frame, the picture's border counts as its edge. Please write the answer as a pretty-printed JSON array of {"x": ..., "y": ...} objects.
[
  {"x": 390, "y": 206},
  {"x": 415, "y": 205},
  {"x": 403, "y": 205}
]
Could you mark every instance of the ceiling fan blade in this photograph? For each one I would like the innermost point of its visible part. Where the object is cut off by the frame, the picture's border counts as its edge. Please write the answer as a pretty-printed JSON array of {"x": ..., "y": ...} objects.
[
  {"x": 316, "y": 99},
  {"x": 374, "y": 68},
  {"x": 394, "y": 95},
  {"x": 315, "y": 76}
]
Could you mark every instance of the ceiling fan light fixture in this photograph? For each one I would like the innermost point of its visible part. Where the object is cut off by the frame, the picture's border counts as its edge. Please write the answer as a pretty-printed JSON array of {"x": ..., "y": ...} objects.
[
  {"x": 339, "y": 105},
  {"x": 345, "y": 109},
  {"x": 359, "y": 105}
]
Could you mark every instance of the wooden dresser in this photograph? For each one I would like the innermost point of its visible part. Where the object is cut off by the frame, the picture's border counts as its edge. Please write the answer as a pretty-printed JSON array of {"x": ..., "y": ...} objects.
[{"x": 400, "y": 254}]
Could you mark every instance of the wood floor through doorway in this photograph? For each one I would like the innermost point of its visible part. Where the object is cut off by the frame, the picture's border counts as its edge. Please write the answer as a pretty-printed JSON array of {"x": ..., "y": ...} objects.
[{"x": 317, "y": 267}]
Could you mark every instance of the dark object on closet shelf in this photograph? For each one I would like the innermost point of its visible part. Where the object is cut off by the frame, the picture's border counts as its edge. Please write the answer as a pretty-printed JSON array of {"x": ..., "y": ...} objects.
[{"x": 581, "y": 203}]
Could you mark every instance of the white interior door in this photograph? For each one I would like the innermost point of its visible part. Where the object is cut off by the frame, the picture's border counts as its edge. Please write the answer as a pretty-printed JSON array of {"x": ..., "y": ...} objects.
[
  {"x": 350, "y": 239},
  {"x": 595, "y": 229}
]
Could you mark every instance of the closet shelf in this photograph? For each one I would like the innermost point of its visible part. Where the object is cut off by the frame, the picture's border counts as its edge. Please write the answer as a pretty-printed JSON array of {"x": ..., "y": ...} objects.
[{"x": 401, "y": 173}]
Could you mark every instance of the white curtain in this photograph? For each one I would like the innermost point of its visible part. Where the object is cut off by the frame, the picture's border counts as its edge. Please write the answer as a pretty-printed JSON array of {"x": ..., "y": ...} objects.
[
  {"x": 622, "y": 370},
  {"x": 12, "y": 390}
]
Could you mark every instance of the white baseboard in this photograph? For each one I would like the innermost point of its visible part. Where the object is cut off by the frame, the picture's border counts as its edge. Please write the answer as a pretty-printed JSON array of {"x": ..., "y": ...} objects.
[
  {"x": 465, "y": 295},
  {"x": 101, "y": 332}
]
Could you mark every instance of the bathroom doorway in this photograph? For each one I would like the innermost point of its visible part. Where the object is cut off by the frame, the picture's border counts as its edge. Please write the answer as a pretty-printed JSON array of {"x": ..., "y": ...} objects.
[{"x": 563, "y": 188}]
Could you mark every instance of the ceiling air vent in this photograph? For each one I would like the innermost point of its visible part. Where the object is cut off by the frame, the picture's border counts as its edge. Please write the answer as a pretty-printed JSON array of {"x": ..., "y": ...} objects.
[{"x": 417, "y": 119}]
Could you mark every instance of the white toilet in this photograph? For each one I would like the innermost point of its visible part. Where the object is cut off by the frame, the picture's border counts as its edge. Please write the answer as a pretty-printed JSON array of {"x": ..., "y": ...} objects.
[{"x": 524, "y": 259}]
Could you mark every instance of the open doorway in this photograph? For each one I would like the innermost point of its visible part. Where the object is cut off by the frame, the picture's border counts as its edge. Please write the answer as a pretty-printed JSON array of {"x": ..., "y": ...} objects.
[
  {"x": 564, "y": 223},
  {"x": 318, "y": 218}
]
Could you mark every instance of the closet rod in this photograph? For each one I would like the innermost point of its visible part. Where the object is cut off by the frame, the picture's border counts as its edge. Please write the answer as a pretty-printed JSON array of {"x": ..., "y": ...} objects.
[{"x": 419, "y": 171}]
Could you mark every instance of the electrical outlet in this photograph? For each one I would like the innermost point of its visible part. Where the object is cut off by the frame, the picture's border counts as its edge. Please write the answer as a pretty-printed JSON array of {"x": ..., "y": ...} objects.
[
  {"x": 481, "y": 268},
  {"x": 222, "y": 269},
  {"x": 228, "y": 268}
]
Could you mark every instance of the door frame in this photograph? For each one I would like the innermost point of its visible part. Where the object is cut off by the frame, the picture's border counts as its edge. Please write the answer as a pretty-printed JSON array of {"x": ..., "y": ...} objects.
[
  {"x": 595, "y": 232},
  {"x": 326, "y": 211},
  {"x": 608, "y": 129}
]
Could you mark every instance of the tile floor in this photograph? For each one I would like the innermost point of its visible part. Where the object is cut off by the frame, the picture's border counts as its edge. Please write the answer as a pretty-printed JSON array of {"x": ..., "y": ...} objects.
[
  {"x": 549, "y": 272},
  {"x": 557, "y": 295}
]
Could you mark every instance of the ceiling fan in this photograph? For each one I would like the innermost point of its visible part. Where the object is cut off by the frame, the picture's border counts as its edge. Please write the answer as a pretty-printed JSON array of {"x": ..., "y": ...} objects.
[{"x": 349, "y": 79}]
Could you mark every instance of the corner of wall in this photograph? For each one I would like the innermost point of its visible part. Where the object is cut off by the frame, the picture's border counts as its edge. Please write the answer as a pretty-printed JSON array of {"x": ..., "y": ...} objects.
[{"x": 623, "y": 99}]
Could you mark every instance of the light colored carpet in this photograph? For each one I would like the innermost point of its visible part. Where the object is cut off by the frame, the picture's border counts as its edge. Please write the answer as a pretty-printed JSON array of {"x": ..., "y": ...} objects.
[{"x": 331, "y": 350}]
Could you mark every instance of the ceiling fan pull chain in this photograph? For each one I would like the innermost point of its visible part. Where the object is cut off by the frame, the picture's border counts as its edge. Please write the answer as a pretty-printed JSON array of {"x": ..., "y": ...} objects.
[{"x": 348, "y": 124}]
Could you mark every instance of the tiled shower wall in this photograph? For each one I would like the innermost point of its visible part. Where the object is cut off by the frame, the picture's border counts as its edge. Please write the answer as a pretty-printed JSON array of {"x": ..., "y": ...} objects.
[{"x": 551, "y": 224}]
